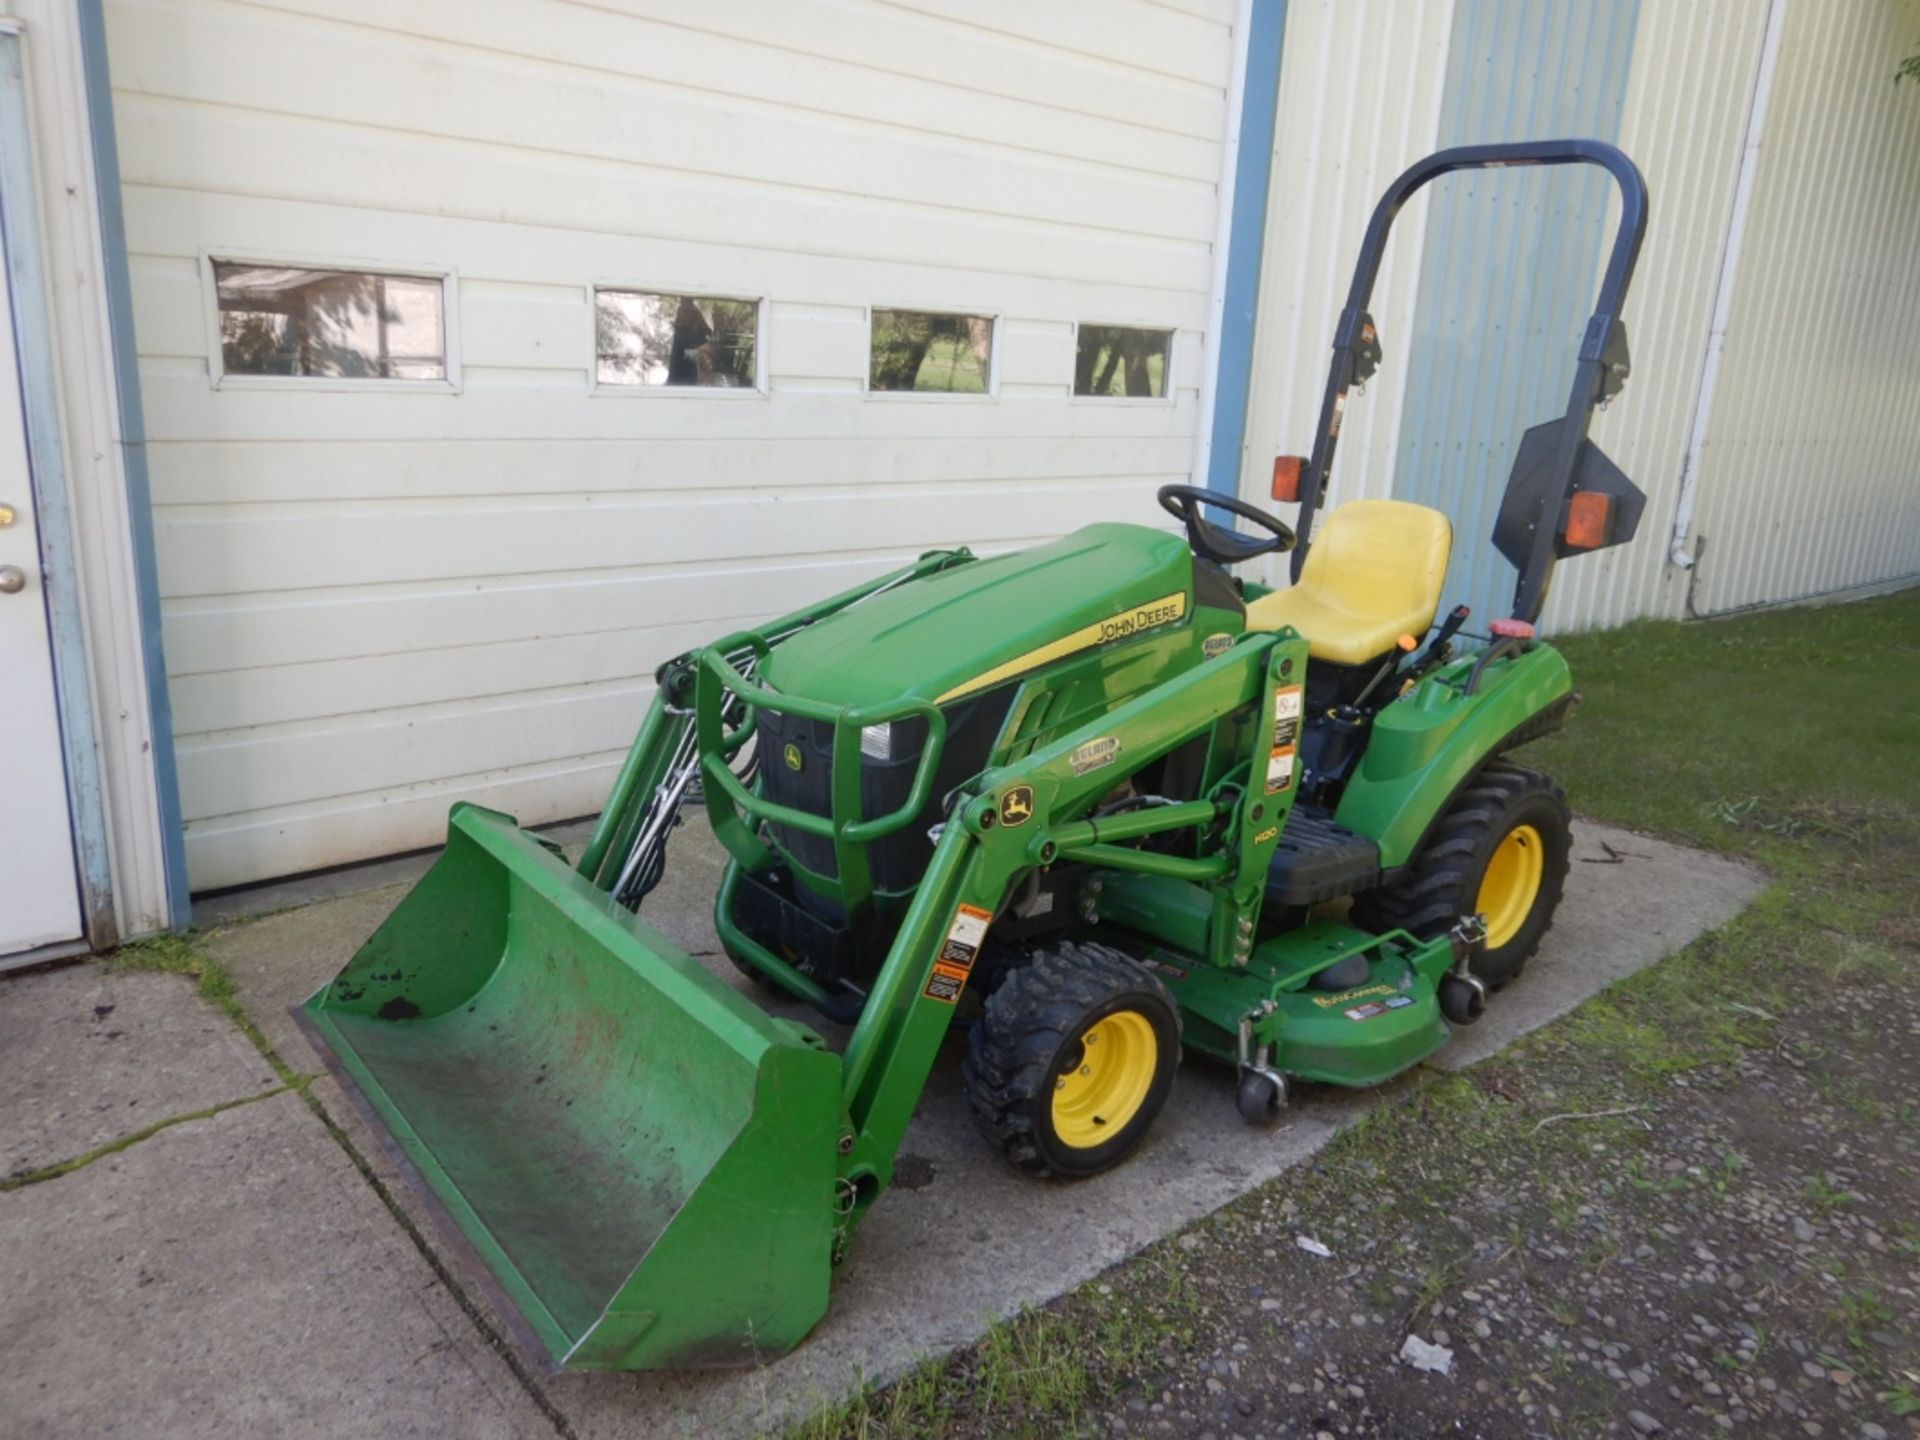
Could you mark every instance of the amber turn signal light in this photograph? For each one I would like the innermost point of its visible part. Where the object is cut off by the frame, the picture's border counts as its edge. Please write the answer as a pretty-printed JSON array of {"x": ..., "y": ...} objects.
[
  {"x": 1588, "y": 520},
  {"x": 1287, "y": 470}
]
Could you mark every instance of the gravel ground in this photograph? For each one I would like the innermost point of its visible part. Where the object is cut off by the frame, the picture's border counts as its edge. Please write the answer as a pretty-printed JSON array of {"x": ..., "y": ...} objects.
[{"x": 1739, "y": 1255}]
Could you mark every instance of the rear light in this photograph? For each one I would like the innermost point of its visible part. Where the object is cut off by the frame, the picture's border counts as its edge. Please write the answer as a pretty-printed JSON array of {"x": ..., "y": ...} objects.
[
  {"x": 1589, "y": 516},
  {"x": 1511, "y": 629},
  {"x": 1287, "y": 470}
]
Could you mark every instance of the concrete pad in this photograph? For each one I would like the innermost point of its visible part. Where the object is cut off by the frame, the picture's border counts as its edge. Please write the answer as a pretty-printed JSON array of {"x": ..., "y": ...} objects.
[
  {"x": 962, "y": 1240},
  {"x": 278, "y": 961},
  {"x": 89, "y": 1054},
  {"x": 234, "y": 1276}
]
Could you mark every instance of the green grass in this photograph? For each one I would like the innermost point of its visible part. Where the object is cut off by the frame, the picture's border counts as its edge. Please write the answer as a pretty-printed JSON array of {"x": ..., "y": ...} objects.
[
  {"x": 1787, "y": 738},
  {"x": 1032, "y": 1377},
  {"x": 1762, "y": 736},
  {"x": 952, "y": 367}
]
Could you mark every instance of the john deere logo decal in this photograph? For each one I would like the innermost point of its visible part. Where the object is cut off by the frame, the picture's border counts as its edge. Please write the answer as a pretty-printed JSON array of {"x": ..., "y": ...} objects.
[
  {"x": 1016, "y": 806},
  {"x": 795, "y": 760}
]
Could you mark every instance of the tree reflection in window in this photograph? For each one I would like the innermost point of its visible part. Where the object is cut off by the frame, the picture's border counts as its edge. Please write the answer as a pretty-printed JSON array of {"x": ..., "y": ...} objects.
[
  {"x": 643, "y": 338},
  {"x": 1121, "y": 360},
  {"x": 336, "y": 324},
  {"x": 923, "y": 351}
]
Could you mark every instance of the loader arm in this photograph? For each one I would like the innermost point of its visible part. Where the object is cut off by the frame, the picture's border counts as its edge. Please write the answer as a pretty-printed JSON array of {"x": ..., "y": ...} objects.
[
  {"x": 1027, "y": 814},
  {"x": 670, "y": 717}
]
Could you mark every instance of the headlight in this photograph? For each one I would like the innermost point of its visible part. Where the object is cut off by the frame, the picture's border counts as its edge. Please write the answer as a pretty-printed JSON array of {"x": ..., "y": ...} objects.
[{"x": 876, "y": 742}]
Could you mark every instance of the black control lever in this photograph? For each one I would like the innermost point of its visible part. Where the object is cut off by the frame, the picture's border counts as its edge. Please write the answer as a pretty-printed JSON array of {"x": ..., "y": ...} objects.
[
  {"x": 1440, "y": 647},
  {"x": 1387, "y": 668},
  {"x": 1449, "y": 628}
]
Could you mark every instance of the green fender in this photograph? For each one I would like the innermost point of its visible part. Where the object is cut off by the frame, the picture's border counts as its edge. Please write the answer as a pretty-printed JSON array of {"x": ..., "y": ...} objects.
[{"x": 1426, "y": 744}]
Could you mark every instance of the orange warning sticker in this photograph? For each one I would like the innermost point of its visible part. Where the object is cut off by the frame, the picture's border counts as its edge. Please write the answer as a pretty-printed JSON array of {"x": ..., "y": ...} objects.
[
  {"x": 955, "y": 962},
  {"x": 1288, "y": 708},
  {"x": 1280, "y": 769}
]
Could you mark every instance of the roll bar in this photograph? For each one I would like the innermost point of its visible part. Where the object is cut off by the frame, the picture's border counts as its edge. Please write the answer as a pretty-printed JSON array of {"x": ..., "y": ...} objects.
[{"x": 1602, "y": 367}]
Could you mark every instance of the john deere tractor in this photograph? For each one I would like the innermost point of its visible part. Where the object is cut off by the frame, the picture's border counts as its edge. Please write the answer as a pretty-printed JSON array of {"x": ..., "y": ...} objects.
[{"x": 1096, "y": 804}]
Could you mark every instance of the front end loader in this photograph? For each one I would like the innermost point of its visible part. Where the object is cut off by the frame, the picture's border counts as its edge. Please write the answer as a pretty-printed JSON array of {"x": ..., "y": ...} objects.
[{"x": 1095, "y": 804}]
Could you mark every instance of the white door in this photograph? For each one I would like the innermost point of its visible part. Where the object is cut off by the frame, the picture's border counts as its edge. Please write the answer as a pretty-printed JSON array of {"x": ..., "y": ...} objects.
[{"x": 39, "y": 893}]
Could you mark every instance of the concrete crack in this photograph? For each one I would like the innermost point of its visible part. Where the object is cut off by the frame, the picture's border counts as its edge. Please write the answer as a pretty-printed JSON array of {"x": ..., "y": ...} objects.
[
  {"x": 127, "y": 1142},
  {"x": 497, "y": 1342}
]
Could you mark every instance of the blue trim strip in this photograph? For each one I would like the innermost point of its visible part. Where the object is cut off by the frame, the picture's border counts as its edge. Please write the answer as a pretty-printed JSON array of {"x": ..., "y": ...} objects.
[
  {"x": 1246, "y": 242},
  {"x": 49, "y": 494},
  {"x": 133, "y": 430}
]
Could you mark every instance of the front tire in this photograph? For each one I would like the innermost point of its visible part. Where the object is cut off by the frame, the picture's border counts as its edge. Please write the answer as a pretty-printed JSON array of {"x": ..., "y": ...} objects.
[
  {"x": 1073, "y": 1058},
  {"x": 1502, "y": 851}
]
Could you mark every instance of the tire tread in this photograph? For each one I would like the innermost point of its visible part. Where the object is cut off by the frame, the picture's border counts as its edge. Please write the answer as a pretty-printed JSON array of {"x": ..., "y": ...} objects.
[
  {"x": 1039, "y": 1007},
  {"x": 1425, "y": 897}
]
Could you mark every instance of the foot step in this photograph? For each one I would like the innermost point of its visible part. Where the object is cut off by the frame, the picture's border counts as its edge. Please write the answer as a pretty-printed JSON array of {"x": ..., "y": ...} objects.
[{"x": 1320, "y": 859}]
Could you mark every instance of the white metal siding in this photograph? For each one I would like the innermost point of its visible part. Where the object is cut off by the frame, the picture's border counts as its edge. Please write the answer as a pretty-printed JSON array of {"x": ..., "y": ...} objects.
[
  {"x": 1360, "y": 92},
  {"x": 1684, "y": 124},
  {"x": 1810, "y": 479},
  {"x": 377, "y": 603}
]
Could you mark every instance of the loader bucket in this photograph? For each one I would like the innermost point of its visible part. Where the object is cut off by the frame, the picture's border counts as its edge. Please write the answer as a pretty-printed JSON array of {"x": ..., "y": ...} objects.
[{"x": 642, "y": 1158}]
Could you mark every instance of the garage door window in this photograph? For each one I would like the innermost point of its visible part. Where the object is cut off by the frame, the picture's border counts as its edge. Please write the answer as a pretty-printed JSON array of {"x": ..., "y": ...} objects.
[
  {"x": 930, "y": 353},
  {"x": 646, "y": 338},
  {"x": 1121, "y": 361},
  {"x": 288, "y": 321}
]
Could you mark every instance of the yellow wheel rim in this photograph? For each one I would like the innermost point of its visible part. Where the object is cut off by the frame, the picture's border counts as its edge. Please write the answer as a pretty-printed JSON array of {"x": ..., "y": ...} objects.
[
  {"x": 1104, "y": 1087},
  {"x": 1511, "y": 884}
]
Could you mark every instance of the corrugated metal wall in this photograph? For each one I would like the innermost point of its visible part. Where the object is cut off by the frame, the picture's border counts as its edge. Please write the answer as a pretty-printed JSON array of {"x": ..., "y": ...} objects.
[
  {"x": 1684, "y": 123},
  {"x": 1509, "y": 264},
  {"x": 1360, "y": 94},
  {"x": 1810, "y": 479}
]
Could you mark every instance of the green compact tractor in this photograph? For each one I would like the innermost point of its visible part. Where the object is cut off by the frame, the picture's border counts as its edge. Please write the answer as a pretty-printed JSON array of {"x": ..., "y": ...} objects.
[{"x": 1091, "y": 802}]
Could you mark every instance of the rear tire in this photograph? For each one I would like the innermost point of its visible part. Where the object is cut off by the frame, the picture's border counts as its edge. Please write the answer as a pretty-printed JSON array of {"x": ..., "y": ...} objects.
[
  {"x": 1502, "y": 850},
  {"x": 1072, "y": 1059}
]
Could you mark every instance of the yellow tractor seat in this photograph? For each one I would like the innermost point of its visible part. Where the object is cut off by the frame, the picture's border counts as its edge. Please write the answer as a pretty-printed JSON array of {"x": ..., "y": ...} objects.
[{"x": 1373, "y": 574}]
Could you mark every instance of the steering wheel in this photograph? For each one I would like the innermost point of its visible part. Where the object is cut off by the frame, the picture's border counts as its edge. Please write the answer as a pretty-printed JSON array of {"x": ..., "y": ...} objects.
[{"x": 1222, "y": 546}]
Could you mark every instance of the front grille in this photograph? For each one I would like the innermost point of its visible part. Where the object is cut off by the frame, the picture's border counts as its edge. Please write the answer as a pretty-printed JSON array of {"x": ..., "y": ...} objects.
[{"x": 897, "y": 860}]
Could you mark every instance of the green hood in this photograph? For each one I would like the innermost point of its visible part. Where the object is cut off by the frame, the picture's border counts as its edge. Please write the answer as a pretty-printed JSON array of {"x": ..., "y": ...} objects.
[{"x": 964, "y": 629}]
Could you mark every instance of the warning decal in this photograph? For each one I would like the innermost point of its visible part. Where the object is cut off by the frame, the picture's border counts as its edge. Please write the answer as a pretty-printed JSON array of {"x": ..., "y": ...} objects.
[
  {"x": 964, "y": 937},
  {"x": 1279, "y": 770},
  {"x": 1379, "y": 1007},
  {"x": 1287, "y": 708},
  {"x": 946, "y": 983}
]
